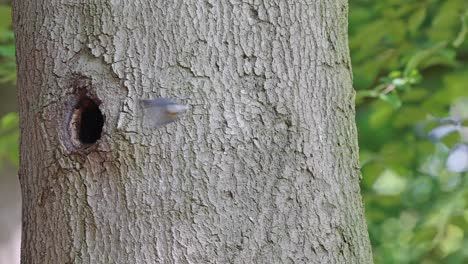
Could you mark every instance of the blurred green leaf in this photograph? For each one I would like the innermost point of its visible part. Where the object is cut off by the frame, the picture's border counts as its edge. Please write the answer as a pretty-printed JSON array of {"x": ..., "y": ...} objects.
[
  {"x": 452, "y": 240},
  {"x": 7, "y": 50},
  {"x": 9, "y": 121},
  {"x": 392, "y": 99},
  {"x": 5, "y": 17},
  {"x": 459, "y": 108},
  {"x": 389, "y": 183},
  {"x": 416, "y": 20},
  {"x": 464, "y": 29},
  {"x": 422, "y": 56},
  {"x": 9, "y": 138}
]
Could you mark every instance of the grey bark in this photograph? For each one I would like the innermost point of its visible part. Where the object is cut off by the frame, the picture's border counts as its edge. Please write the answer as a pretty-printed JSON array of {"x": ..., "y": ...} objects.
[{"x": 263, "y": 169}]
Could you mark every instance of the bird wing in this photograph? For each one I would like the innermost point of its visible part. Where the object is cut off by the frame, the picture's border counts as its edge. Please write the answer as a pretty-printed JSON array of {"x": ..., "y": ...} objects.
[{"x": 155, "y": 113}]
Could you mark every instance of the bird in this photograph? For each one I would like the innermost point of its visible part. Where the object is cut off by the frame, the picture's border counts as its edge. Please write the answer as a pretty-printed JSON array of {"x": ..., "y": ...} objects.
[{"x": 161, "y": 111}]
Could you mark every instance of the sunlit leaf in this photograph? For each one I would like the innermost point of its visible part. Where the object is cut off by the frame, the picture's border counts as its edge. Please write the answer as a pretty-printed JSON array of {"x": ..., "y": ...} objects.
[
  {"x": 459, "y": 109},
  {"x": 389, "y": 183},
  {"x": 452, "y": 240}
]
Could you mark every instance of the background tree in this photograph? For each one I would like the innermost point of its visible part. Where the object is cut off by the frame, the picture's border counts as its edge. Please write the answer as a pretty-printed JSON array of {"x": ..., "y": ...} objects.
[{"x": 264, "y": 169}]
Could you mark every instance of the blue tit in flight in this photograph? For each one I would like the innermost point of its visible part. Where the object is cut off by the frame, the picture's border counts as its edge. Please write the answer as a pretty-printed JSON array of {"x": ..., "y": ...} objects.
[{"x": 161, "y": 111}]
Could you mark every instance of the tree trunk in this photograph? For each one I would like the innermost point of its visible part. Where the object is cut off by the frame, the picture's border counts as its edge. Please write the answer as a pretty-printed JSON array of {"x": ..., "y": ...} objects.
[{"x": 263, "y": 168}]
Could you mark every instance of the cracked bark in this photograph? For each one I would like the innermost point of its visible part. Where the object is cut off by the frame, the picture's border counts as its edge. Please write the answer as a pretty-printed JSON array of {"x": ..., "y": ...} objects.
[{"x": 264, "y": 168}]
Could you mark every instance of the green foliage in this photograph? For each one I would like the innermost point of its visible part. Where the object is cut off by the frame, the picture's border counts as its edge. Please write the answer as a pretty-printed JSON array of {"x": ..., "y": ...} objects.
[
  {"x": 9, "y": 132},
  {"x": 7, "y": 47},
  {"x": 9, "y": 136},
  {"x": 410, "y": 66}
]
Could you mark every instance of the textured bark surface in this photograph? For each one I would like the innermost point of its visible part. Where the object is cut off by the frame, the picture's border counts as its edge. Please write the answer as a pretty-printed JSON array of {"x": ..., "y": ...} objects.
[{"x": 263, "y": 168}]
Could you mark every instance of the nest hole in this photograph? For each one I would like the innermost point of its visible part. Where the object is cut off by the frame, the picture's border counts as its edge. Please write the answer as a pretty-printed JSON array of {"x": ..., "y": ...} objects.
[{"x": 87, "y": 122}]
